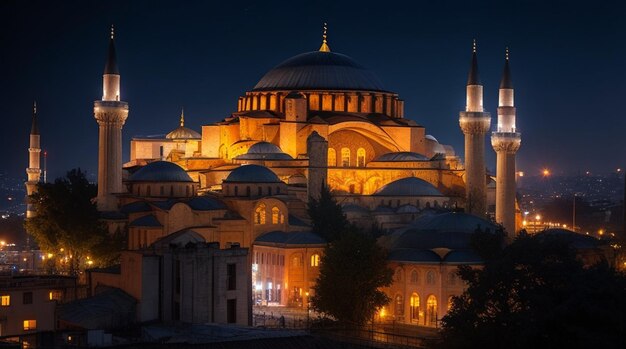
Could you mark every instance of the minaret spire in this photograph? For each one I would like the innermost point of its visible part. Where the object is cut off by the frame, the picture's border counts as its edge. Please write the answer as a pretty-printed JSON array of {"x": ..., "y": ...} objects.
[
  {"x": 325, "y": 47},
  {"x": 506, "y": 142},
  {"x": 111, "y": 114},
  {"x": 33, "y": 171},
  {"x": 475, "y": 123}
]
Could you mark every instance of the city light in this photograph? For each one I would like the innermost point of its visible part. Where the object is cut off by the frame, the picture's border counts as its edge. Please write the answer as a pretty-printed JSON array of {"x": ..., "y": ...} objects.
[{"x": 546, "y": 172}]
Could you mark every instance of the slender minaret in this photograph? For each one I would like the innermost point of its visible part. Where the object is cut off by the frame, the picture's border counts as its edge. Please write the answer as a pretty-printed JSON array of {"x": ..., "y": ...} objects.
[
  {"x": 475, "y": 123},
  {"x": 506, "y": 141},
  {"x": 110, "y": 113},
  {"x": 33, "y": 171}
]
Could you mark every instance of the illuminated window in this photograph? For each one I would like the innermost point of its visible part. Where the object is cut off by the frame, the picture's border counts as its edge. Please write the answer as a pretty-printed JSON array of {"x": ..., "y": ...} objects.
[
  {"x": 345, "y": 157},
  {"x": 282, "y": 218},
  {"x": 360, "y": 157},
  {"x": 431, "y": 310},
  {"x": 332, "y": 157},
  {"x": 414, "y": 277},
  {"x": 259, "y": 214},
  {"x": 6, "y": 300},
  {"x": 30, "y": 325},
  {"x": 430, "y": 277},
  {"x": 415, "y": 307},
  {"x": 275, "y": 215},
  {"x": 55, "y": 295},
  {"x": 315, "y": 260},
  {"x": 296, "y": 260}
]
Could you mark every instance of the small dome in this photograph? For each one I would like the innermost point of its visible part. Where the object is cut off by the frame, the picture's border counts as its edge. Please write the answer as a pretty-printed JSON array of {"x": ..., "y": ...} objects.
[
  {"x": 402, "y": 156},
  {"x": 264, "y": 151},
  {"x": 410, "y": 186},
  {"x": 252, "y": 174},
  {"x": 183, "y": 132},
  {"x": 319, "y": 71},
  {"x": 160, "y": 171},
  {"x": 432, "y": 138}
]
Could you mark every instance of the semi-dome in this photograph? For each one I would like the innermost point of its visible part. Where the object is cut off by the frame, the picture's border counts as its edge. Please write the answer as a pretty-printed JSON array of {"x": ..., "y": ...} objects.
[
  {"x": 160, "y": 171},
  {"x": 252, "y": 174},
  {"x": 402, "y": 156},
  {"x": 264, "y": 151},
  {"x": 410, "y": 186},
  {"x": 319, "y": 70}
]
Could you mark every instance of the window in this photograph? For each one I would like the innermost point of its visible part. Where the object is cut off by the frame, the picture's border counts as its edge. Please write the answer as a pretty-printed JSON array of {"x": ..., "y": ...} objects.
[
  {"x": 248, "y": 191},
  {"x": 259, "y": 191},
  {"x": 360, "y": 157},
  {"x": 259, "y": 214},
  {"x": 431, "y": 311},
  {"x": 236, "y": 191},
  {"x": 430, "y": 277},
  {"x": 415, "y": 308},
  {"x": 269, "y": 191},
  {"x": 452, "y": 278},
  {"x": 296, "y": 260},
  {"x": 275, "y": 215},
  {"x": 161, "y": 191},
  {"x": 5, "y": 300},
  {"x": 399, "y": 305},
  {"x": 398, "y": 275},
  {"x": 231, "y": 276},
  {"x": 315, "y": 260},
  {"x": 231, "y": 311},
  {"x": 148, "y": 191},
  {"x": 414, "y": 277},
  {"x": 332, "y": 157},
  {"x": 27, "y": 298},
  {"x": 55, "y": 295},
  {"x": 345, "y": 157},
  {"x": 30, "y": 325}
]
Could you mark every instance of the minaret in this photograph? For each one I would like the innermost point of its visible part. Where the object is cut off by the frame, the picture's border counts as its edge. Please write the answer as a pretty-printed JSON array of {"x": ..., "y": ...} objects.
[
  {"x": 475, "y": 123},
  {"x": 33, "y": 171},
  {"x": 506, "y": 141},
  {"x": 110, "y": 113}
]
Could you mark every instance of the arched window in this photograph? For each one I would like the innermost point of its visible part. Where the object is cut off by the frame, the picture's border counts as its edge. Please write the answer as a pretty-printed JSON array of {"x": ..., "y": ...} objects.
[
  {"x": 315, "y": 260},
  {"x": 296, "y": 260},
  {"x": 398, "y": 275},
  {"x": 148, "y": 191},
  {"x": 162, "y": 191},
  {"x": 248, "y": 191},
  {"x": 415, "y": 308},
  {"x": 260, "y": 191},
  {"x": 345, "y": 157},
  {"x": 277, "y": 190},
  {"x": 259, "y": 214},
  {"x": 414, "y": 277},
  {"x": 282, "y": 218},
  {"x": 269, "y": 191},
  {"x": 399, "y": 302},
  {"x": 236, "y": 191},
  {"x": 275, "y": 215},
  {"x": 332, "y": 157},
  {"x": 431, "y": 310},
  {"x": 360, "y": 157},
  {"x": 430, "y": 277},
  {"x": 452, "y": 278}
]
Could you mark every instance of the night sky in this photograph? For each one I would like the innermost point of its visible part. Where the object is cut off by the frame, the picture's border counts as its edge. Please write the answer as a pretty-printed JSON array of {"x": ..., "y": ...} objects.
[{"x": 568, "y": 63}]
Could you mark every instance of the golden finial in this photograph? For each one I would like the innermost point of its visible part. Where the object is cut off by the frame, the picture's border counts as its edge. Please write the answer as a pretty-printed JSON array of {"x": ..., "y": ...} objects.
[
  {"x": 474, "y": 46},
  {"x": 112, "y": 32},
  {"x": 506, "y": 54},
  {"x": 182, "y": 117},
  {"x": 34, "y": 107},
  {"x": 324, "y": 47}
]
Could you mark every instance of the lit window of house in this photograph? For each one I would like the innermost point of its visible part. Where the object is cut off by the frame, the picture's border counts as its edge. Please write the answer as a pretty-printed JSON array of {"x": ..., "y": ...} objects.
[
  {"x": 55, "y": 295},
  {"x": 315, "y": 260},
  {"x": 5, "y": 300},
  {"x": 30, "y": 325},
  {"x": 259, "y": 214}
]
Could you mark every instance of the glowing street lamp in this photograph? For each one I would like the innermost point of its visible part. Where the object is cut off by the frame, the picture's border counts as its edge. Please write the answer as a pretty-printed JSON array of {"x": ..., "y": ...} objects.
[{"x": 545, "y": 172}]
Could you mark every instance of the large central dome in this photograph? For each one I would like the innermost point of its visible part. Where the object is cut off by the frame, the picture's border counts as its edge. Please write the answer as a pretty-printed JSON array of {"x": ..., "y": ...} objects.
[{"x": 319, "y": 70}]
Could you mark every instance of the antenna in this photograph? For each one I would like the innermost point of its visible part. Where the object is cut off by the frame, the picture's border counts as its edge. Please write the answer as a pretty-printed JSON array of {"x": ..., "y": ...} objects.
[{"x": 45, "y": 166}]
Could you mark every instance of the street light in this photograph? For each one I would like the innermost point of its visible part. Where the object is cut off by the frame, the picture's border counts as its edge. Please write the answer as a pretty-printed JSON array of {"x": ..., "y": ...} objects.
[{"x": 307, "y": 309}]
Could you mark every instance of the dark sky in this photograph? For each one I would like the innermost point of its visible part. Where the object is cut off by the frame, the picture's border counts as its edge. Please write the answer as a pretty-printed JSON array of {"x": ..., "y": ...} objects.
[{"x": 568, "y": 63}]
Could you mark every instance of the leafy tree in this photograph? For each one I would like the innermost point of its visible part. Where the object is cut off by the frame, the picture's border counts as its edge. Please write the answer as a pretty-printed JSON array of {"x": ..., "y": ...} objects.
[
  {"x": 327, "y": 216},
  {"x": 67, "y": 222},
  {"x": 352, "y": 271},
  {"x": 537, "y": 294}
]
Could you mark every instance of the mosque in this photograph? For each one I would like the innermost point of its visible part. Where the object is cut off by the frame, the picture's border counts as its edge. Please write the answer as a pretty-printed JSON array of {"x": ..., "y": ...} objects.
[{"x": 318, "y": 118}]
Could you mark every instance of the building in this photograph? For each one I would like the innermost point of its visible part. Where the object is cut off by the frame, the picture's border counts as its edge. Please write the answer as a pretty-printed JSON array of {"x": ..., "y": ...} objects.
[
  {"x": 28, "y": 304},
  {"x": 319, "y": 118}
]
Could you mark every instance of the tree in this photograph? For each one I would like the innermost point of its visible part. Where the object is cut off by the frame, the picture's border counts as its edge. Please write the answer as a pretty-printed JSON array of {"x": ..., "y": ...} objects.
[
  {"x": 67, "y": 222},
  {"x": 537, "y": 294},
  {"x": 327, "y": 216},
  {"x": 352, "y": 271}
]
